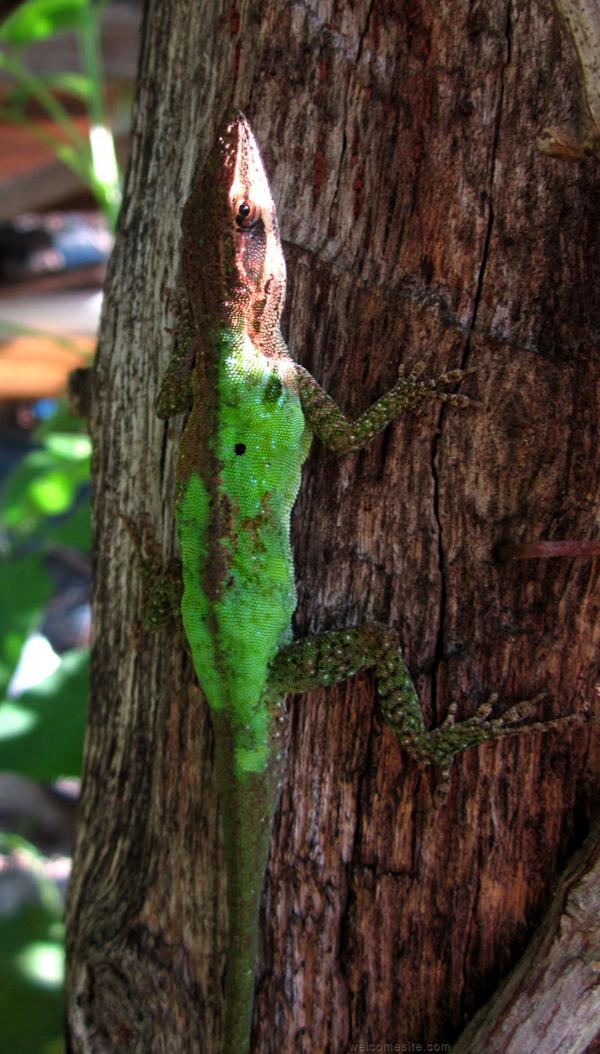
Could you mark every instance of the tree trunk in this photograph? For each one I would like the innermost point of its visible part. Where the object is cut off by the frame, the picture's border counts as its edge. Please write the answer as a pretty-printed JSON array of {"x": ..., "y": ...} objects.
[
  {"x": 420, "y": 223},
  {"x": 553, "y": 991}
]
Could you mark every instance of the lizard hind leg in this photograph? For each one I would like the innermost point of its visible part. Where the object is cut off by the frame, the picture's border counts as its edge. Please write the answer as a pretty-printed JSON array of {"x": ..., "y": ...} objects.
[
  {"x": 331, "y": 657},
  {"x": 161, "y": 586}
]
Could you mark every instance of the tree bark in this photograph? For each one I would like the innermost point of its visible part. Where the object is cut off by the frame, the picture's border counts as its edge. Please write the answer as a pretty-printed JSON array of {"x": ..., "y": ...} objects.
[
  {"x": 552, "y": 995},
  {"x": 420, "y": 223}
]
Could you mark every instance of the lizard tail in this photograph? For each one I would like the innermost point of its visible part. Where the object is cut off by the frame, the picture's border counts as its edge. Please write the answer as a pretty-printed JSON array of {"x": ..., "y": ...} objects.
[{"x": 247, "y": 809}]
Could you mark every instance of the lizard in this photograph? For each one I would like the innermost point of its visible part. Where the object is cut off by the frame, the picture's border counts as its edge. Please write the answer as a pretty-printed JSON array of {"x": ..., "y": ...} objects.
[{"x": 252, "y": 413}]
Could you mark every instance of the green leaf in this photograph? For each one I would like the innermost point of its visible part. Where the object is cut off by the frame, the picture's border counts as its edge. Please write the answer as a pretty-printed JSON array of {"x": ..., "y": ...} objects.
[
  {"x": 54, "y": 1046},
  {"x": 52, "y": 492},
  {"x": 52, "y": 744},
  {"x": 44, "y": 484},
  {"x": 76, "y": 84},
  {"x": 39, "y": 19},
  {"x": 62, "y": 420},
  {"x": 42, "y": 962},
  {"x": 15, "y": 101},
  {"x": 70, "y": 446},
  {"x": 15, "y": 720},
  {"x": 73, "y": 530},
  {"x": 31, "y": 999},
  {"x": 78, "y": 160},
  {"x": 24, "y": 592},
  {"x": 43, "y": 496}
]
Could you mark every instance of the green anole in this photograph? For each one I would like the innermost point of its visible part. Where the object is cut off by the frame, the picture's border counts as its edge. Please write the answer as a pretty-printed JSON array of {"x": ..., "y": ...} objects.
[{"x": 253, "y": 412}]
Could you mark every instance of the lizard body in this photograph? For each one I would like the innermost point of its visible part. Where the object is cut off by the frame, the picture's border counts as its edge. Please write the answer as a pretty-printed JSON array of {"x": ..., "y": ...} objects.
[{"x": 253, "y": 412}]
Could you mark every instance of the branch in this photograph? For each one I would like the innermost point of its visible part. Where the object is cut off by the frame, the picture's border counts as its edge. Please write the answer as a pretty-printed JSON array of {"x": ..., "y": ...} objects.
[{"x": 550, "y": 1000}]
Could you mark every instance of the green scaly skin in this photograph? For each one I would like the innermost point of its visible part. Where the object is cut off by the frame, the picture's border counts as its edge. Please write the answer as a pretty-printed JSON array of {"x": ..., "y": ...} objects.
[{"x": 253, "y": 412}]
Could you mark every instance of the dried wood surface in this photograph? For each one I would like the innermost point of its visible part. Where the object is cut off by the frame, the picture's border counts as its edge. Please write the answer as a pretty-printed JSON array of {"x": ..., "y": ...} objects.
[
  {"x": 420, "y": 224},
  {"x": 550, "y": 1001}
]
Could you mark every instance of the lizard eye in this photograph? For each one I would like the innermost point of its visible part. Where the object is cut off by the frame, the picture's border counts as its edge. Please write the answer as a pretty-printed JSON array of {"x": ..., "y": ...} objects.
[{"x": 247, "y": 215}]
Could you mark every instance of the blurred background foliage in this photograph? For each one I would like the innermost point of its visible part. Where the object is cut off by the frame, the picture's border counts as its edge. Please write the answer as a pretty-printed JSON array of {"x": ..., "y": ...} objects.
[
  {"x": 44, "y": 504},
  {"x": 44, "y": 520},
  {"x": 31, "y": 961},
  {"x": 92, "y": 158}
]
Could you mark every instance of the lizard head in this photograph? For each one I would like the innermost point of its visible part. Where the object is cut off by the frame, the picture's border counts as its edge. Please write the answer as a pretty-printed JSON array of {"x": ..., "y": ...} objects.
[{"x": 233, "y": 264}]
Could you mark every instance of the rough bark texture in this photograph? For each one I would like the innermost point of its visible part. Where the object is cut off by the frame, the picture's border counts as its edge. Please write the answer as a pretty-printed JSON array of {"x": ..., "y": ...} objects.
[
  {"x": 419, "y": 223},
  {"x": 551, "y": 998}
]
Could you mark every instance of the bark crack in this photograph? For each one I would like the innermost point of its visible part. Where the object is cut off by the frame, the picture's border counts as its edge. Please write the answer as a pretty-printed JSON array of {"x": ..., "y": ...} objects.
[
  {"x": 353, "y": 864},
  {"x": 327, "y": 237},
  {"x": 490, "y": 194},
  {"x": 361, "y": 39},
  {"x": 439, "y": 650}
]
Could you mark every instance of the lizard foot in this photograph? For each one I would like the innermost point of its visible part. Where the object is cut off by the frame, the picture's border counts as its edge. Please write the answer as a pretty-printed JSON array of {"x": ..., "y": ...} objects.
[
  {"x": 415, "y": 390},
  {"x": 451, "y": 736}
]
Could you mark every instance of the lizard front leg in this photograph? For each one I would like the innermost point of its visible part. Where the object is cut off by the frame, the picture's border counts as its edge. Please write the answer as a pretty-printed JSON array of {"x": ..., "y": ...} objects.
[
  {"x": 175, "y": 393},
  {"x": 409, "y": 393},
  {"x": 331, "y": 657}
]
